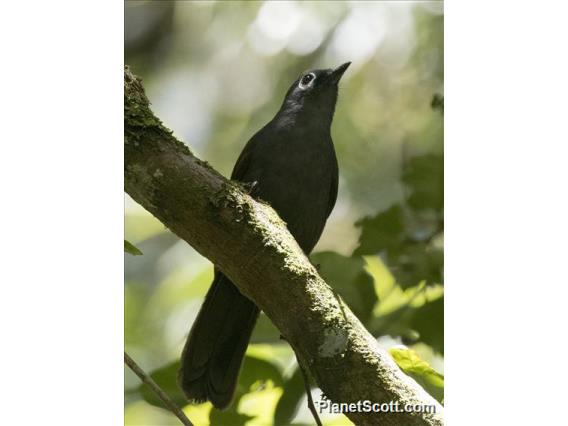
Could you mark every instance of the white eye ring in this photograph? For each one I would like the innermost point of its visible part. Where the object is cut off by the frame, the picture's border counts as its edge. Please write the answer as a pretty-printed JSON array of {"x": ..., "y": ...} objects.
[{"x": 307, "y": 81}]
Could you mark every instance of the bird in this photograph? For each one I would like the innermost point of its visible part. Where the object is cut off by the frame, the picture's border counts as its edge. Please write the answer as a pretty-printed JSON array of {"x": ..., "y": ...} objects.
[{"x": 291, "y": 164}]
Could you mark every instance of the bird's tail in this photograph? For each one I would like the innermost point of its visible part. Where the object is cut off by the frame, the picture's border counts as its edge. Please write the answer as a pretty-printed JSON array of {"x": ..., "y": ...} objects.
[{"x": 214, "y": 351}]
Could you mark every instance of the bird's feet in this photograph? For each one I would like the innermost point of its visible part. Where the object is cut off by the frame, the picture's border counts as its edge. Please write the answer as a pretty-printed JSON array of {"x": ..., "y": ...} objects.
[{"x": 249, "y": 186}]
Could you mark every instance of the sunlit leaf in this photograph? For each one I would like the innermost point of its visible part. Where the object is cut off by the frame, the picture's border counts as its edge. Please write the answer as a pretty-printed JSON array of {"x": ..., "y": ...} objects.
[
  {"x": 280, "y": 355},
  {"x": 409, "y": 361},
  {"x": 423, "y": 322},
  {"x": 198, "y": 414},
  {"x": 341, "y": 420},
  {"x": 140, "y": 413},
  {"x": 382, "y": 276},
  {"x": 392, "y": 296},
  {"x": 257, "y": 380},
  {"x": 229, "y": 417},
  {"x": 260, "y": 405},
  {"x": 256, "y": 373}
]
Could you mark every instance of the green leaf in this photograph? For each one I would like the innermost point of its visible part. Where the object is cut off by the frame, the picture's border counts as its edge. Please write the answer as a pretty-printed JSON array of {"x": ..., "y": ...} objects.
[
  {"x": 381, "y": 231},
  {"x": 409, "y": 362},
  {"x": 279, "y": 355},
  {"x": 166, "y": 379},
  {"x": 260, "y": 405},
  {"x": 424, "y": 176},
  {"x": 131, "y": 248},
  {"x": 289, "y": 402},
  {"x": 228, "y": 417},
  {"x": 256, "y": 372},
  {"x": 349, "y": 278},
  {"x": 414, "y": 262},
  {"x": 382, "y": 277},
  {"x": 424, "y": 323},
  {"x": 428, "y": 321},
  {"x": 409, "y": 259}
]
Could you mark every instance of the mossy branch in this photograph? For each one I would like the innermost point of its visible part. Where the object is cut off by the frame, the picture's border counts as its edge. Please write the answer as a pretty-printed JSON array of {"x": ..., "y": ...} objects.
[{"x": 247, "y": 240}]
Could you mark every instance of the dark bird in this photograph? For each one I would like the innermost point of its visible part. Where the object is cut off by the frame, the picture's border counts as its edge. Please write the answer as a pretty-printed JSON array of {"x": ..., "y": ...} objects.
[{"x": 291, "y": 164}]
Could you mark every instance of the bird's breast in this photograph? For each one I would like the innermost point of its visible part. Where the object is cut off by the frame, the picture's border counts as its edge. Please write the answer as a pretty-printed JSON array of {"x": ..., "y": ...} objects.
[{"x": 295, "y": 178}]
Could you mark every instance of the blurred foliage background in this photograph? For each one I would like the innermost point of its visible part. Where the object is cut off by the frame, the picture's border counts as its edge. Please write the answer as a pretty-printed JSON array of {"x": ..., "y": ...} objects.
[{"x": 217, "y": 71}]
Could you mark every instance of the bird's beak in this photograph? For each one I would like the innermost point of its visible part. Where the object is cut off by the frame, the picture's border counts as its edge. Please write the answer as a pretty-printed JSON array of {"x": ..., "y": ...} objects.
[{"x": 338, "y": 72}]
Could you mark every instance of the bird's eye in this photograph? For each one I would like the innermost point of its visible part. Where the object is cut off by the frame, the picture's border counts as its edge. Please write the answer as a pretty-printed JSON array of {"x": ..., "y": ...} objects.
[{"x": 306, "y": 80}]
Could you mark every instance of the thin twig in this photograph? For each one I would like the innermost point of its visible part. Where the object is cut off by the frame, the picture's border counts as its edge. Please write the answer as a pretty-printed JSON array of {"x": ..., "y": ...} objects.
[
  {"x": 157, "y": 390},
  {"x": 311, "y": 405}
]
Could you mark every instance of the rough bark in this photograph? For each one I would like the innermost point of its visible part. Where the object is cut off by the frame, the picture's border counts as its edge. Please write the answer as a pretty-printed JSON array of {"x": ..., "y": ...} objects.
[{"x": 251, "y": 245}]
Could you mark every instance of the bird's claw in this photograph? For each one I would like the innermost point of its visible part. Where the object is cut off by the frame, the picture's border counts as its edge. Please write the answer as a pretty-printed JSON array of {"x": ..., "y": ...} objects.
[{"x": 249, "y": 186}]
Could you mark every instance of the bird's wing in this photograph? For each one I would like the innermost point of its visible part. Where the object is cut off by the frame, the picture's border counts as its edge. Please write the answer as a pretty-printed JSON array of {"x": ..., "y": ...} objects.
[
  {"x": 334, "y": 185},
  {"x": 243, "y": 162}
]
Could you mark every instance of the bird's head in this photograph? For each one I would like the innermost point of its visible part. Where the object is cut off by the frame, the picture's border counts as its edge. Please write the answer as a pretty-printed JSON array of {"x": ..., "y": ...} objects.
[{"x": 314, "y": 93}]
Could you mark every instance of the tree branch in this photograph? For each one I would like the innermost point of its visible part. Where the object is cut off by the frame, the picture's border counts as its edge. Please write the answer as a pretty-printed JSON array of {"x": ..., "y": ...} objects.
[
  {"x": 252, "y": 246},
  {"x": 147, "y": 380}
]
